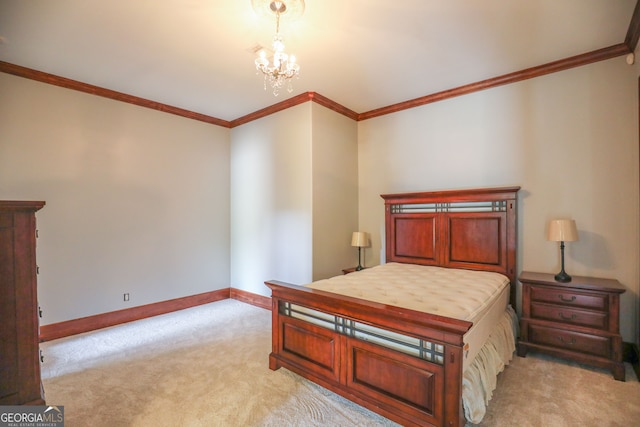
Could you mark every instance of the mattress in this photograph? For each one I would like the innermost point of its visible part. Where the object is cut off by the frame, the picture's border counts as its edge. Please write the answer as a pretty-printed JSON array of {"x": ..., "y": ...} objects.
[
  {"x": 480, "y": 297},
  {"x": 476, "y": 296}
]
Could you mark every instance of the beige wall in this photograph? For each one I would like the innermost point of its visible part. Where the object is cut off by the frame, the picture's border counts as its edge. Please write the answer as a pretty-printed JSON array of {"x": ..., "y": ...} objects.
[
  {"x": 569, "y": 139},
  {"x": 271, "y": 200},
  {"x": 294, "y": 197},
  {"x": 137, "y": 200},
  {"x": 335, "y": 192}
]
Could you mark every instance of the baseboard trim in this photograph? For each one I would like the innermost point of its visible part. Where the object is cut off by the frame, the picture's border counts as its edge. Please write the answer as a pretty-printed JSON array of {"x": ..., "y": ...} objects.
[
  {"x": 631, "y": 354},
  {"x": 99, "y": 321},
  {"x": 251, "y": 298}
]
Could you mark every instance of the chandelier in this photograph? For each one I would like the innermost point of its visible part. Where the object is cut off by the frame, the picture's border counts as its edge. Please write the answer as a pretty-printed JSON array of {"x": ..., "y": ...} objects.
[{"x": 283, "y": 66}]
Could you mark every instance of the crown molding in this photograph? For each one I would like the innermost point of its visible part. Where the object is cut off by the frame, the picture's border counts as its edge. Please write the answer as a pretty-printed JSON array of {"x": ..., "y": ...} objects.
[
  {"x": 292, "y": 102},
  {"x": 282, "y": 105},
  {"x": 529, "y": 73},
  {"x": 633, "y": 33},
  {"x": 52, "y": 79}
]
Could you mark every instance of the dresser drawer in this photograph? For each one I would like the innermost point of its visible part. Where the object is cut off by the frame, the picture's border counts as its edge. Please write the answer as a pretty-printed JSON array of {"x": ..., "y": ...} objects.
[
  {"x": 572, "y": 316},
  {"x": 570, "y": 298},
  {"x": 575, "y": 341}
]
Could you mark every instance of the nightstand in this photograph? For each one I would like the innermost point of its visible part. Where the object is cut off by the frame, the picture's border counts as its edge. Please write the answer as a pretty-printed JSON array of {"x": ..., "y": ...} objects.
[{"x": 578, "y": 320}]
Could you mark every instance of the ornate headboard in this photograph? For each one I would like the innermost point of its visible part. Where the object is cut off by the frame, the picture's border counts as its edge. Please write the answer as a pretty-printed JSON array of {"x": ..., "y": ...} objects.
[{"x": 471, "y": 229}]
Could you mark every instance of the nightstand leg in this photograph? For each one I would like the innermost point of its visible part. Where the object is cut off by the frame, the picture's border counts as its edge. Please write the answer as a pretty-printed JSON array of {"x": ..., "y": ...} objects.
[
  {"x": 617, "y": 368},
  {"x": 521, "y": 350},
  {"x": 618, "y": 371}
]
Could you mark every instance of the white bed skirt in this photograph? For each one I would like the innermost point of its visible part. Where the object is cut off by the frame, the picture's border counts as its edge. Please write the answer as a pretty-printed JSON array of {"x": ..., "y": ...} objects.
[{"x": 480, "y": 378}]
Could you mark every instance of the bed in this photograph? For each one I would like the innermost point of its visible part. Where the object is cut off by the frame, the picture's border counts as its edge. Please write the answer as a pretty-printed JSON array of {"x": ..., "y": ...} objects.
[{"x": 409, "y": 362}]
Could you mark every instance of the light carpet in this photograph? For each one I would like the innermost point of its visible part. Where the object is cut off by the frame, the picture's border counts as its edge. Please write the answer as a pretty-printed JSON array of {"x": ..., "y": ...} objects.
[{"x": 208, "y": 366}]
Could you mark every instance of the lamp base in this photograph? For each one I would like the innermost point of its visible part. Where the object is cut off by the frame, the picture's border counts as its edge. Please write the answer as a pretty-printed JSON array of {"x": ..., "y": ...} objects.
[{"x": 562, "y": 277}]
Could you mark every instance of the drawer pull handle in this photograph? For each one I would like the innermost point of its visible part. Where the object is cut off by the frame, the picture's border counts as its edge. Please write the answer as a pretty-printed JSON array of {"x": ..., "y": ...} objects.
[
  {"x": 563, "y": 299},
  {"x": 572, "y": 341},
  {"x": 572, "y": 317}
]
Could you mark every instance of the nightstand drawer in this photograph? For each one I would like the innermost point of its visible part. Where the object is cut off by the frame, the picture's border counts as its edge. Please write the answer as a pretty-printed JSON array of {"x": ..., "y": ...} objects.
[
  {"x": 592, "y": 319},
  {"x": 569, "y": 297},
  {"x": 575, "y": 341}
]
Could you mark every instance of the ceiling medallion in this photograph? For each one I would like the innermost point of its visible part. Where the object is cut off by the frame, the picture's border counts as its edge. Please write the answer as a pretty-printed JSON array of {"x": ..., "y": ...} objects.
[{"x": 282, "y": 67}]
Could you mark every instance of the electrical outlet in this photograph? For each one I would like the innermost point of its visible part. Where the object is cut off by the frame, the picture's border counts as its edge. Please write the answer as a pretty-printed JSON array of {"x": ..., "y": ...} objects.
[{"x": 126, "y": 297}]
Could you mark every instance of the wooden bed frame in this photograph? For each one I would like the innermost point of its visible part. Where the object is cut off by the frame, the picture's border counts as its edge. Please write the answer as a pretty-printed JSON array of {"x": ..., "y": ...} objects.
[{"x": 469, "y": 229}]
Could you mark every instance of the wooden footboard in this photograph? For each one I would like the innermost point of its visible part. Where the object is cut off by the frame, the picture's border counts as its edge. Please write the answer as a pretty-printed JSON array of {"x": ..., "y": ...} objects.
[{"x": 402, "y": 364}]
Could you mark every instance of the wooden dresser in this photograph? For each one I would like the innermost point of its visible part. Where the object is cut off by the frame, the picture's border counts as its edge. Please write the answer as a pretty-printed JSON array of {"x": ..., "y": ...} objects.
[
  {"x": 19, "y": 315},
  {"x": 578, "y": 320}
]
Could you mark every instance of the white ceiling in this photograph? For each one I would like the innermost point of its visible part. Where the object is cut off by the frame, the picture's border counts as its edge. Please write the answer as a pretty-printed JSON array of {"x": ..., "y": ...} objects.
[{"x": 363, "y": 54}]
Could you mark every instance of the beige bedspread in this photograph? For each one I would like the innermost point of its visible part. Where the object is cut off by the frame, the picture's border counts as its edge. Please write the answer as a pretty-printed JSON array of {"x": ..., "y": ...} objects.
[{"x": 456, "y": 293}]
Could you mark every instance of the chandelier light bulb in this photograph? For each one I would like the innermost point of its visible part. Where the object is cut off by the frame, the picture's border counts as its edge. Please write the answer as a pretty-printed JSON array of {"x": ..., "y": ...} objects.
[{"x": 278, "y": 46}]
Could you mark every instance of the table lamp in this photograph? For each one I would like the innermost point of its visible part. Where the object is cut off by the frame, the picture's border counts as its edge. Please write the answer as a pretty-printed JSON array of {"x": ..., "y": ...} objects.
[
  {"x": 562, "y": 230},
  {"x": 359, "y": 239}
]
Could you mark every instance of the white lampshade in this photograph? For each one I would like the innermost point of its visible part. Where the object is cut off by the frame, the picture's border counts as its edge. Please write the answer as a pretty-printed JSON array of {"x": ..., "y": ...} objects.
[
  {"x": 562, "y": 230},
  {"x": 359, "y": 239}
]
